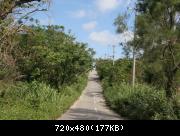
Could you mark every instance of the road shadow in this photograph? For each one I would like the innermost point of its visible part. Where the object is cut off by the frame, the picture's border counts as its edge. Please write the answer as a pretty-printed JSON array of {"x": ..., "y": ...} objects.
[
  {"x": 95, "y": 78},
  {"x": 94, "y": 94},
  {"x": 86, "y": 114}
]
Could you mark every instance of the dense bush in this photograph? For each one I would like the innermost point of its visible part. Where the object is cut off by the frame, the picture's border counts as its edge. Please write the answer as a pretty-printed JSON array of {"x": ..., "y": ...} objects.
[
  {"x": 40, "y": 66},
  {"x": 46, "y": 75},
  {"x": 120, "y": 72},
  {"x": 142, "y": 102},
  {"x": 104, "y": 68},
  {"x": 37, "y": 100},
  {"x": 52, "y": 56}
]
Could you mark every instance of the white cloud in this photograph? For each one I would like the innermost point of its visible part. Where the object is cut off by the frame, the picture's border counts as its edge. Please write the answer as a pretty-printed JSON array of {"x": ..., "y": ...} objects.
[
  {"x": 107, "y": 38},
  {"x": 83, "y": 13},
  {"x": 79, "y": 14},
  {"x": 89, "y": 26},
  {"x": 107, "y": 5}
]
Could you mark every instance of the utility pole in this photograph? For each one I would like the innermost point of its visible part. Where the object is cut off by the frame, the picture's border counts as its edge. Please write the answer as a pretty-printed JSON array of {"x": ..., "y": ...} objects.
[
  {"x": 134, "y": 68},
  {"x": 134, "y": 55},
  {"x": 113, "y": 54},
  {"x": 105, "y": 55}
]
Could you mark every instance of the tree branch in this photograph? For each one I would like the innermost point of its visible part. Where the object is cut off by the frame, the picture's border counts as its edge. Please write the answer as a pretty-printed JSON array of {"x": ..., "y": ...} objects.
[{"x": 13, "y": 5}]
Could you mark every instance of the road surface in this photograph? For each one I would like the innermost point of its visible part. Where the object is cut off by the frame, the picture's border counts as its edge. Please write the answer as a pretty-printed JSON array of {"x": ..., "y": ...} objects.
[{"x": 91, "y": 104}]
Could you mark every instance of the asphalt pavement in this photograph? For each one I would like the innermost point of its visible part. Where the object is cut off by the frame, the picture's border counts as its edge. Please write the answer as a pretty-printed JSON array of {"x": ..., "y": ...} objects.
[{"x": 91, "y": 105}]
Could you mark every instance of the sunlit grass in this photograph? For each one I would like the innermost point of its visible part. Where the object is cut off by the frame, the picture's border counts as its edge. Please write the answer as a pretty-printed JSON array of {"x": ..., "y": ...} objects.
[{"x": 37, "y": 101}]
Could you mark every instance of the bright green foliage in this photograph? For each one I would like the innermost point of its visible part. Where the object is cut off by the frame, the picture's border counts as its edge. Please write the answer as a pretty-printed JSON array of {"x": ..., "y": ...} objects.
[
  {"x": 118, "y": 73},
  {"x": 51, "y": 56},
  {"x": 104, "y": 68},
  {"x": 37, "y": 101},
  {"x": 142, "y": 102},
  {"x": 51, "y": 70},
  {"x": 42, "y": 68}
]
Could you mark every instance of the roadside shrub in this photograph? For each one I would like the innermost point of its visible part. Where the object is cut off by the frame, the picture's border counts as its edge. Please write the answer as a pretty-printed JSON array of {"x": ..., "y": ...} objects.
[
  {"x": 37, "y": 100},
  {"x": 142, "y": 102},
  {"x": 120, "y": 72}
]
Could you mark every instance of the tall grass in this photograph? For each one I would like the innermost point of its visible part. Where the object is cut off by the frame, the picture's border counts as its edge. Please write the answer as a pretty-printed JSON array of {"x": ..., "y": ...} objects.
[
  {"x": 141, "y": 102},
  {"x": 37, "y": 101}
]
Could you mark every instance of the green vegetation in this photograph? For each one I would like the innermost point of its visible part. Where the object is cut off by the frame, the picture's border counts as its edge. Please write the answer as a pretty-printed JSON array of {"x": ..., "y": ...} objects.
[
  {"x": 156, "y": 46},
  {"x": 117, "y": 73},
  {"x": 43, "y": 69},
  {"x": 52, "y": 56},
  {"x": 158, "y": 36},
  {"x": 49, "y": 74},
  {"x": 141, "y": 102},
  {"x": 37, "y": 101}
]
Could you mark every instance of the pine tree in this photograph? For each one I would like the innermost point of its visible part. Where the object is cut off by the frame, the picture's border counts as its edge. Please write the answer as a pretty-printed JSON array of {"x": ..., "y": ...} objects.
[{"x": 158, "y": 36}]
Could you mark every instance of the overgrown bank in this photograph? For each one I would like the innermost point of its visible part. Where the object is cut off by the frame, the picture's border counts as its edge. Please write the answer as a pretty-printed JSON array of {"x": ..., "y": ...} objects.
[
  {"x": 48, "y": 73},
  {"x": 37, "y": 101},
  {"x": 143, "y": 102},
  {"x": 43, "y": 69}
]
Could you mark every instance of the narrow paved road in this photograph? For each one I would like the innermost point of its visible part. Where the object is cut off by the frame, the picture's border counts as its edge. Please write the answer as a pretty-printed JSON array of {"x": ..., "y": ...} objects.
[{"x": 91, "y": 104}]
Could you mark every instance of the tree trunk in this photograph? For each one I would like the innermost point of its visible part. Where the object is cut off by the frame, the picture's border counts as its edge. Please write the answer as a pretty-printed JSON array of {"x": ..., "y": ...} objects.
[{"x": 170, "y": 86}]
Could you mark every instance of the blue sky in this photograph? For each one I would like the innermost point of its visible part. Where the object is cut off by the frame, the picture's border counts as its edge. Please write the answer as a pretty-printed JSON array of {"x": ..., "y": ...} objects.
[{"x": 91, "y": 21}]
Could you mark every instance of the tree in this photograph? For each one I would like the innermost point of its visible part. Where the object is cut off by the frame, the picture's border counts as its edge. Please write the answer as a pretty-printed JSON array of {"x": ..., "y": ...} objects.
[
  {"x": 158, "y": 32},
  {"x": 13, "y": 13},
  {"x": 50, "y": 55},
  {"x": 7, "y": 6},
  {"x": 121, "y": 24}
]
